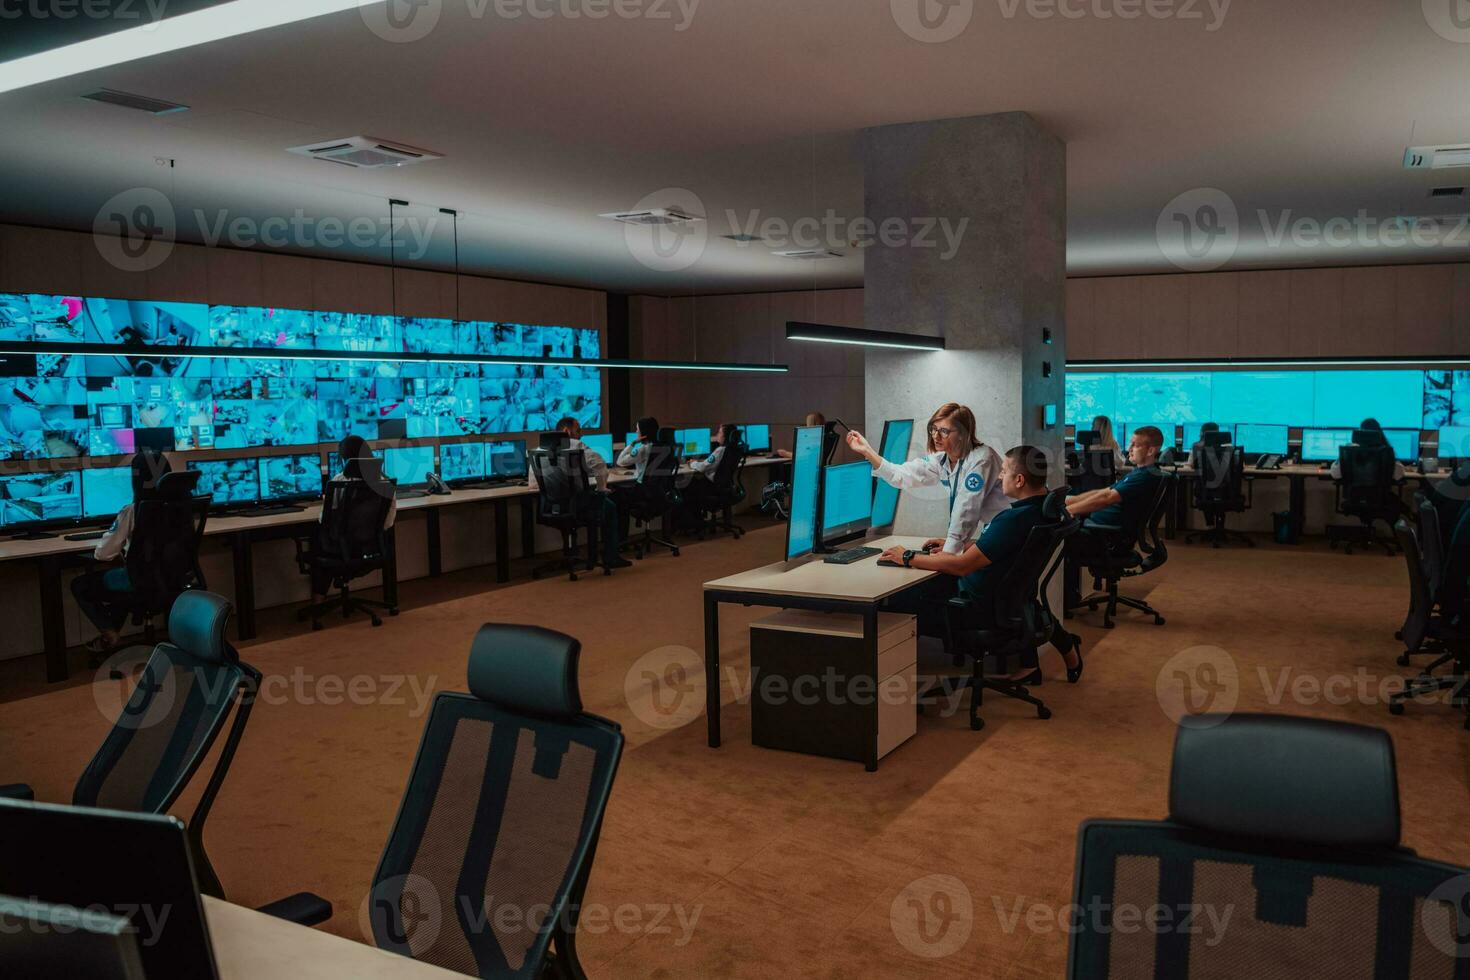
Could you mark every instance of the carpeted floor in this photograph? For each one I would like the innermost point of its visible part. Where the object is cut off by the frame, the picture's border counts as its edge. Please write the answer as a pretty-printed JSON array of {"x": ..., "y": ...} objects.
[{"x": 749, "y": 862}]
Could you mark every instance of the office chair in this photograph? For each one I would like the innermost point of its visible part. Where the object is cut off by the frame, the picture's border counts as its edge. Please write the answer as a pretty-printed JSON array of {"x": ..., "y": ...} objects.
[
  {"x": 1021, "y": 621},
  {"x": 163, "y": 553},
  {"x": 1366, "y": 491},
  {"x": 1122, "y": 552},
  {"x": 350, "y": 542},
  {"x": 1290, "y": 824},
  {"x": 503, "y": 809},
  {"x": 1221, "y": 488},
  {"x": 1423, "y": 626},
  {"x": 1427, "y": 537},
  {"x": 657, "y": 496},
  {"x": 43, "y": 939},
  {"x": 1096, "y": 469},
  {"x": 186, "y": 690},
  {"x": 713, "y": 506},
  {"x": 564, "y": 503}
]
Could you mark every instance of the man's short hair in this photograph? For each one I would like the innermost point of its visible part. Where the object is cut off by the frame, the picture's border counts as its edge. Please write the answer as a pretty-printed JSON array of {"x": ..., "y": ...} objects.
[
  {"x": 1031, "y": 462},
  {"x": 566, "y": 424},
  {"x": 1151, "y": 435}
]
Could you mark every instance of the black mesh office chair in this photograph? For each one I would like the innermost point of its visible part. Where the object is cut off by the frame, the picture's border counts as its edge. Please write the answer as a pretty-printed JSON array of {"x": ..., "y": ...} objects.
[
  {"x": 1423, "y": 628},
  {"x": 350, "y": 542},
  {"x": 1365, "y": 490},
  {"x": 563, "y": 502},
  {"x": 1290, "y": 826},
  {"x": 1430, "y": 562},
  {"x": 185, "y": 691},
  {"x": 503, "y": 809},
  {"x": 1123, "y": 552},
  {"x": 1220, "y": 488},
  {"x": 1005, "y": 640},
  {"x": 656, "y": 497},
  {"x": 725, "y": 491},
  {"x": 1096, "y": 469},
  {"x": 163, "y": 552}
]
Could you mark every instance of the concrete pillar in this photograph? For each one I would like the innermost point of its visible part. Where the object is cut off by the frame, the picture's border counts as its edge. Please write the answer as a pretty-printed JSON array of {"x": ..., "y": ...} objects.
[{"x": 989, "y": 278}]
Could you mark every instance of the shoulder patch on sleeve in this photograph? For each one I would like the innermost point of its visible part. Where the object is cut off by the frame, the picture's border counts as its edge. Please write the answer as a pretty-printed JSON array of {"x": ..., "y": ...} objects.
[{"x": 974, "y": 482}]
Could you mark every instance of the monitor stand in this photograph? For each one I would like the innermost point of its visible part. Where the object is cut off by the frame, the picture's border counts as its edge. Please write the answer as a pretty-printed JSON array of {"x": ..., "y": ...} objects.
[{"x": 32, "y": 535}]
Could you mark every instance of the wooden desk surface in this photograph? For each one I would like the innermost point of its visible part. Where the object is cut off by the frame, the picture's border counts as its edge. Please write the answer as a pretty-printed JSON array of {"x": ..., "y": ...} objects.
[
  {"x": 251, "y": 946},
  {"x": 863, "y": 581}
]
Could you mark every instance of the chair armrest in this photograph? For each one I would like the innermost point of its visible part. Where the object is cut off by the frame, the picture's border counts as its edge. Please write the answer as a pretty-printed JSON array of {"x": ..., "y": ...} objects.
[
  {"x": 17, "y": 791},
  {"x": 302, "y": 908}
]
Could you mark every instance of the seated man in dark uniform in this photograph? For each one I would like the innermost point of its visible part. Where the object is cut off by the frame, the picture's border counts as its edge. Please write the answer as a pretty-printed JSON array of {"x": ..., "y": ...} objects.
[
  {"x": 1124, "y": 505},
  {"x": 983, "y": 565}
]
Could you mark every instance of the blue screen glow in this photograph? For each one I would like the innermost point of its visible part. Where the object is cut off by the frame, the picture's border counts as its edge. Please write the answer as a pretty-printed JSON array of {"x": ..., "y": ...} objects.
[
  {"x": 30, "y": 498},
  {"x": 228, "y": 481},
  {"x": 847, "y": 498},
  {"x": 1321, "y": 445},
  {"x": 601, "y": 444},
  {"x": 695, "y": 441},
  {"x": 462, "y": 462},
  {"x": 409, "y": 466},
  {"x": 1345, "y": 398},
  {"x": 290, "y": 477},
  {"x": 1405, "y": 443},
  {"x": 506, "y": 460},
  {"x": 106, "y": 490},
  {"x": 1178, "y": 396},
  {"x": 897, "y": 434},
  {"x": 1454, "y": 442},
  {"x": 757, "y": 437},
  {"x": 1262, "y": 438},
  {"x": 806, "y": 463}
]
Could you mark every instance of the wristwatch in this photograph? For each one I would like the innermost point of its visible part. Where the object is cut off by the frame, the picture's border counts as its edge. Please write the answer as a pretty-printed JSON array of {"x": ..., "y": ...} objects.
[{"x": 908, "y": 556}]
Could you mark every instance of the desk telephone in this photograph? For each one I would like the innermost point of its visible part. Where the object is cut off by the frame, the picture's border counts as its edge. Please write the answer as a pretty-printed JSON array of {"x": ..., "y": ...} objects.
[
  {"x": 437, "y": 487},
  {"x": 1269, "y": 461}
]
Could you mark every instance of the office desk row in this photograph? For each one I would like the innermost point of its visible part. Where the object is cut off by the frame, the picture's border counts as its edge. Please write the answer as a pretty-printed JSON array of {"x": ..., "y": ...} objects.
[{"x": 52, "y": 554}]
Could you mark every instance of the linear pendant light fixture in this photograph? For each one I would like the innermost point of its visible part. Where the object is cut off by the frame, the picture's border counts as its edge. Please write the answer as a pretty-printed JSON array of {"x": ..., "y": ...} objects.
[
  {"x": 823, "y": 333},
  {"x": 164, "y": 35},
  {"x": 1438, "y": 361}
]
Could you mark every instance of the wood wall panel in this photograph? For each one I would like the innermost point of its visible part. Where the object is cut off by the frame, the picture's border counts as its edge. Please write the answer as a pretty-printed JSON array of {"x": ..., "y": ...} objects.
[
  {"x": 184, "y": 277},
  {"x": 1460, "y": 310},
  {"x": 1424, "y": 299},
  {"x": 1265, "y": 314},
  {"x": 1163, "y": 329},
  {"x": 1367, "y": 314},
  {"x": 40, "y": 260},
  {"x": 1315, "y": 310},
  {"x": 1214, "y": 313},
  {"x": 234, "y": 279},
  {"x": 1081, "y": 326},
  {"x": 1115, "y": 316}
]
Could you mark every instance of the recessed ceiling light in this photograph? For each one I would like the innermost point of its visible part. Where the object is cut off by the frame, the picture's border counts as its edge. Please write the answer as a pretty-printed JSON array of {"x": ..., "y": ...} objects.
[
  {"x": 653, "y": 216},
  {"x": 809, "y": 253},
  {"x": 743, "y": 238},
  {"x": 161, "y": 36}
]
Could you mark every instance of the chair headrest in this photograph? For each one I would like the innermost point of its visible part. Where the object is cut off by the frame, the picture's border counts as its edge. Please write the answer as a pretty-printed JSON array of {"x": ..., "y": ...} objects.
[
  {"x": 1086, "y": 437},
  {"x": 666, "y": 436},
  {"x": 553, "y": 441},
  {"x": 196, "y": 625},
  {"x": 1281, "y": 778},
  {"x": 1054, "y": 507},
  {"x": 526, "y": 669},
  {"x": 175, "y": 485},
  {"x": 1213, "y": 439}
]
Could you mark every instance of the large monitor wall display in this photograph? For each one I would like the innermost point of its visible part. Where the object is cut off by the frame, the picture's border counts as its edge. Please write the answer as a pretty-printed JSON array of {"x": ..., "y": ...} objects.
[
  {"x": 66, "y": 405},
  {"x": 1398, "y": 399}
]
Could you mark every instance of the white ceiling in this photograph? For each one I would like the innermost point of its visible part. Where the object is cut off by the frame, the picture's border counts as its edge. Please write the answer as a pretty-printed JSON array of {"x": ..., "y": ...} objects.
[{"x": 1299, "y": 109}]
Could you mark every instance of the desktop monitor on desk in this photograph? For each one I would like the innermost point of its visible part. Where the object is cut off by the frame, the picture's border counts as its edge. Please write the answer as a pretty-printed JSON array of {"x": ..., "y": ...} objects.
[
  {"x": 1321, "y": 445},
  {"x": 106, "y": 490},
  {"x": 334, "y": 462},
  {"x": 695, "y": 441},
  {"x": 1260, "y": 439},
  {"x": 897, "y": 435},
  {"x": 409, "y": 466},
  {"x": 29, "y": 501},
  {"x": 1405, "y": 443},
  {"x": 229, "y": 482},
  {"x": 847, "y": 502},
  {"x": 287, "y": 478},
  {"x": 462, "y": 462},
  {"x": 806, "y": 471},
  {"x": 1192, "y": 433},
  {"x": 506, "y": 460},
  {"x": 1454, "y": 442},
  {"x": 602, "y": 445},
  {"x": 757, "y": 438}
]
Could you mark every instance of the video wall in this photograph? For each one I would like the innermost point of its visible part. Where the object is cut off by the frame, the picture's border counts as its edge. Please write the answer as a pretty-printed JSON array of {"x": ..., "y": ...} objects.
[
  {"x": 1398, "y": 399},
  {"x": 56, "y": 406}
]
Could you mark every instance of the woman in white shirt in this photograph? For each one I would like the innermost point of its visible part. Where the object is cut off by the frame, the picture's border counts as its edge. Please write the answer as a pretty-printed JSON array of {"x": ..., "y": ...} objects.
[
  {"x": 635, "y": 453},
  {"x": 1103, "y": 426}
]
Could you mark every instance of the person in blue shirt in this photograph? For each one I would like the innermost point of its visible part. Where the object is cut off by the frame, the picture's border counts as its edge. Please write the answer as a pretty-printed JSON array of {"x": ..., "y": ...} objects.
[
  {"x": 983, "y": 565},
  {"x": 1125, "y": 505}
]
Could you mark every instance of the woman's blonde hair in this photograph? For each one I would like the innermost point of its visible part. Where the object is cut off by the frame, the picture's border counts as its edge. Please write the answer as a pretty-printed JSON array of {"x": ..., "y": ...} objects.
[
  {"x": 1103, "y": 426},
  {"x": 960, "y": 416}
]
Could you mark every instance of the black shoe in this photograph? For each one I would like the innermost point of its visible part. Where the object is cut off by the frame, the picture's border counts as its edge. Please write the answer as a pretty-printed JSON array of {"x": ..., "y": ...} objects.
[
  {"x": 1074, "y": 674},
  {"x": 620, "y": 563}
]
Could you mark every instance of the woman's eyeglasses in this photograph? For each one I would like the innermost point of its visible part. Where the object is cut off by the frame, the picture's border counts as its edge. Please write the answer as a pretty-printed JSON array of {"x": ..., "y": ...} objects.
[{"x": 940, "y": 432}]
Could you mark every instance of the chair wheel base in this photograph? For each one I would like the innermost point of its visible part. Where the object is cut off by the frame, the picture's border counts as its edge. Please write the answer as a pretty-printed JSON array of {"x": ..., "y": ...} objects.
[
  {"x": 1043, "y": 713},
  {"x": 1158, "y": 620},
  {"x": 377, "y": 621},
  {"x": 976, "y": 724},
  {"x": 1402, "y": 660},
  {"x": 1107, "y": 624}
]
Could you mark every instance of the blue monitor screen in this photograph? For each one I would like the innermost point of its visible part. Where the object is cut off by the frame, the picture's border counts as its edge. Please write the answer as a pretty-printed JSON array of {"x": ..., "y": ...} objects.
[
  {"x": 1089, "y": 395},
  {"x": 806, "y": 464},
  {"x": 847, "y": 499},
  {"x": 29, "y": 498},
  {"x": 290, "y": 477},
  {"x": 1454, "y": 442},
  {"x": 1405, "y": 443},
  {"x": 1262, "y": 438},
  {"x": 695, "y": 441},
  {"x": 631, "y": 438},
  {"x": 1192, "y": 432},
  {"x": 1321, "y": 445},
  {"x": 602, "y": 445},
  {"x": 506, "y": 460},
  {"x": 757, "y": 437},
  {"x": 1263, "y": 397},
  {"x": 106, "y": 490},
  {"x": 897, "y": 434},
  {"x": 1124, "y": 433},
  {"x": 334, "y": 462},
  {"x": 1167, "y": 395},
  {"x": 228, "y": 481},
  {"x": 1345, "y": 398},
  {"x": 462, "y": 462},
  {"x": 409, "y": 466}
]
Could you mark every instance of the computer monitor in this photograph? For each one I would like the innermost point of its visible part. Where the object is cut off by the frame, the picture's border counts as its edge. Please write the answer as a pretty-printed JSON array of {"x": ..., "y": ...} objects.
[
  {"x": 806, "y": 470},
  {"x": 40, "y": 498},
  {"x": 602, "y": 445},
  {"x": 106, "y": 490},
  {"x": 757, "y": 438},
  {"x": 897, "y": 435},
  {"x": 1261, "y": 438},
  {"x": 506, "y": 460},
  {"x": 294, "y": 477},
  {"x": 631, "y": 438},
  {"x": 462, "y": 462},
  {"x": 229, "y": 481},
  {"x": 409, "y": 466},
  {"x": 847, "y": 501},
  {"x": 1405, "y": 443},
  {"x": 695, "y": 441},
  {"x": 334, "y": 461},
  {"x": 138, "y": 865},
  {"x": 1321, "y": 445},
  {"x": 1192, "y": 433},
  {"x": 1454, "y": 442}
]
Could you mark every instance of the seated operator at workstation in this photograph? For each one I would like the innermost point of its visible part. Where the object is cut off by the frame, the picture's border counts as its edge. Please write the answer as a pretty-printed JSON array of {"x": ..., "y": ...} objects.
[{"x": 1124, "y": 505}]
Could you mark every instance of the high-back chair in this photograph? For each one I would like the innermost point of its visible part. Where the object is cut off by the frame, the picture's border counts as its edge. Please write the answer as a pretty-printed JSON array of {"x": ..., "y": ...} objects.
[
  {"x": 1221, "y": 488},
  {"x": 727, "y": 491},
  {"x": 1280, "y": 857},
  {"x": 1365, "y": 490},
  {"x": 657, "y": 496},
  {"x": 1129, "y": 552},
  {"x": 1421, "y": 627},
  {"x": 1096, "y": 468},
  {"x": 350, "y": 542},
  {"x": 563, "y": 503},
  {"x": 163, "y": 552}
]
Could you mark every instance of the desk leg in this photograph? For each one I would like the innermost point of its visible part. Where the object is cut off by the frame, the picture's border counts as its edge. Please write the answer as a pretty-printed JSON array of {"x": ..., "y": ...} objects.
[
  {"x": 436, "y": 563},
  {"x": 53, "y": 621},
  {"x": 528, "y": 526},
  {"x": 712, "y": 667},
  {"x": 244, "y": 585},
  {"x": 502, "y": 541},
  {"x": 870, "y": 658},
  {"x": 1297, "y": 495},
  {"x": 390, "y": 572}
]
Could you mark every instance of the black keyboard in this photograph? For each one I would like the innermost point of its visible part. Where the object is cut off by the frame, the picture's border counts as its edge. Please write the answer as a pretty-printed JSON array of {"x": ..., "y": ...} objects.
[
  {"x": 851, "y": 555},
  {"x": 85, "y": 535},
  {"x": 408, "y": 493},
  {"x": 269, "y": 510}
]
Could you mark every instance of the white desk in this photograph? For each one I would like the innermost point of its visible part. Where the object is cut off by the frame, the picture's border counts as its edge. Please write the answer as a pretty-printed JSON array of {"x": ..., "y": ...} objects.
[
  {"x": 856, "y": 588},
  {"x": 251, "y": 946}
]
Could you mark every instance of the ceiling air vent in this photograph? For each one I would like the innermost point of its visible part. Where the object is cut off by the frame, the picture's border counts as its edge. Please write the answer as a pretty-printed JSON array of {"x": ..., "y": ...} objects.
[
  {"x": 1447, "y": 192},
  {"x": 1439, "y": 157},
  {"x": 810, "y": 253},
  {"x": 653, "y": 216},
  {"x": 364, "y": 152},
  {"x": 142, "y": 103},
  {"x": 742, "y": 238}
]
